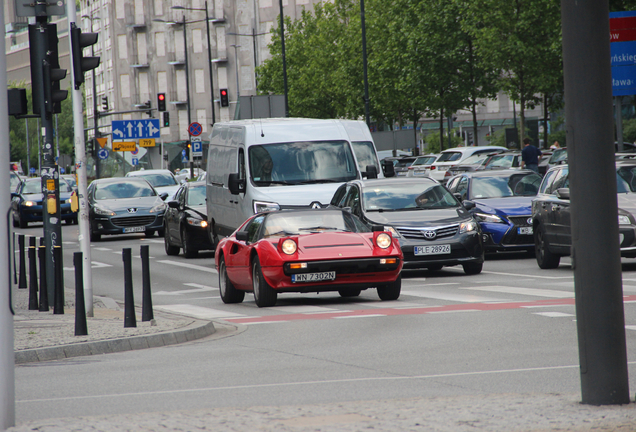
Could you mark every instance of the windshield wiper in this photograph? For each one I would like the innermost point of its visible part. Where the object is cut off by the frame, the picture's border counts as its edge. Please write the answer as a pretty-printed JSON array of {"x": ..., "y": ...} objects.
[
  {"x": 283, "y": 232},
  {"x": 324, "y": 228},
  {"x": 278, "y": 182}
]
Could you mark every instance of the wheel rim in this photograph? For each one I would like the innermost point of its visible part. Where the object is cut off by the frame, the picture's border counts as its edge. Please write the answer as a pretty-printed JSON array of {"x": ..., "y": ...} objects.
[
  {"x": 222, "y": 281},
  {"x": 184, "y": 241},
  {"x": 255, "y": 281}
]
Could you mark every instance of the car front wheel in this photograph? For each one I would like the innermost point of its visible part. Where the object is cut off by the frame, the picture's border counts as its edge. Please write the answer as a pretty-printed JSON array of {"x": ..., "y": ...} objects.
[
  {"x": 545, "y": 258},
  {"x": 473, "y": 268},
  {"x": 188, "y": 250},
  {"x": 390, "y": 291},
  {"x": 229, "y": 294},
  {"x": 264, "y": 294},
  {"x": 170, "y": 249}
]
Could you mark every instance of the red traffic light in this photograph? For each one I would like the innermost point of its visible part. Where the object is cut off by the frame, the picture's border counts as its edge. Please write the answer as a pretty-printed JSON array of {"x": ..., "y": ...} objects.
[{"x": 162, "y": 96}]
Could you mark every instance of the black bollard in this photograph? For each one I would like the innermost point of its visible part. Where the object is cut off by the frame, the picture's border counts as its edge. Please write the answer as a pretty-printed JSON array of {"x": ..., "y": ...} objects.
[
  {"x": 33, "y": 276},
  {"x": 15, "y": 267},
  {"x": 146, "y": 307},
  {"x": 130, "y": 320},
  {"x": 58, "y": 301},
  {"x": 81, "y": 328},
  {"x": 44, "y": 295},
  {"x": 22, "y": 283}
]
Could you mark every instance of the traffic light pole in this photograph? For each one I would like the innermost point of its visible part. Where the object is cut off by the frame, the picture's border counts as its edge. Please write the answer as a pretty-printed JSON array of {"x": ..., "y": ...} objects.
[
  {"x": 98, "y": 162},
  {"x": 189, "y": 143},
  {"x": 80, "y": 170}
]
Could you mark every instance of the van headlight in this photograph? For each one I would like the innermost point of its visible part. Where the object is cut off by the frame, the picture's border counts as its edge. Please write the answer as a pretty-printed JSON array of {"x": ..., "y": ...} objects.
[
  {"x": 263, "y": 206},
  {"x": 469, "y": 226},
  {"x": 624, "y": 220}
]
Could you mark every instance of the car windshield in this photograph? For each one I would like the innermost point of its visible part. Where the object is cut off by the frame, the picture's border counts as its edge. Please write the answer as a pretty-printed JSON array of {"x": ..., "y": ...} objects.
[
  {"x": 424, "y": 160},
  {"x": 32, "y": 187},
  {"x": 626, "y": 179},
  {"x": 558, "y": 156},
  {"x": 412, "y": 196},
  {"x": 123, "y": 189},
  {"x": 365, "y": 153},
  {"x": 294, "y": 223},
  {"x": 196, "y": 196},
  {"x": 501, "y": 187},
  {"x": 159, "y": 179},
  {"x": 65, "y": 186},
  {"x": 500, "y": 161},
  {"x": 296, "y": 163},
  {"x": 15, "y": 181},
  {"x": 449, "y": 156}
]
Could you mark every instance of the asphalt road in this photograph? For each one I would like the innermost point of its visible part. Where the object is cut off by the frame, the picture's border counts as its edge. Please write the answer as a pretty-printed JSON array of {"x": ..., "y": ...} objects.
[{"x": 510, "y": 329}]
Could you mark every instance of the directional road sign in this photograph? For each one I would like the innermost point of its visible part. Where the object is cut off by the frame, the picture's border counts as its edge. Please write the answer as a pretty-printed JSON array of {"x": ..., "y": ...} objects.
[
  {"x": 195, "y": 129},
  {"x": 102, "y": 142},
  {"x": 135, "y": 161},
  {"x": 197, "y": 147},
  {"x": 184, "y": 158},
  {"x": 102, "y": 154},
  {"x": 124, "y": 146},
  {"x": 135, "y": 129}
]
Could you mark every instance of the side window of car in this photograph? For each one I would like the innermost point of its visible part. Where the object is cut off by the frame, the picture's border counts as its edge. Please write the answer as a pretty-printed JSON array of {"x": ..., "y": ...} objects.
[
  {"x": 337, "y": 197},
  {"x": 462, "y": 187},
  {"x": 253, "y": 229},
  {"x": 241, "y": 163},
  {"x": 183, "y": 192},
  {"x": 561, "y": 181},
  {"x": 451, "y": 185},
  {"x": 353, "y": 200},
  {"x": 547, "y": 181}
]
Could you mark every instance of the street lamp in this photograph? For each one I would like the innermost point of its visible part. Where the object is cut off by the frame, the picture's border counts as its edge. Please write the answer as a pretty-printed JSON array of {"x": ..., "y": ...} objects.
[
  {"x": 98, "y": 165},
  {"x": 207, "y": 25}
]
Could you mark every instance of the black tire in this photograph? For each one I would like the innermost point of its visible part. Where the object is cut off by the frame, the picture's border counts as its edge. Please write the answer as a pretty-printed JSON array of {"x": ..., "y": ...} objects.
[
  {"x": 473, "y": 268},
  {"x": 349, "y": 292},
  {"x": 390, "y": 291},
  {"x": 229, "y": 294},
  {"x": 161, "y": 232},
  {"x": 436, "y": 267},
  {"x": 21, "y": 223},
  {"x": 16, "y": 224},
  {"x": 95, "y": 237},
  {"x": 188, "y": 250},
  {"x": 545, "y": 258},
  {"x": 264, "y": 294},
  {"x": 170, "y": 249},
  {"x": 150, "y": 233},
  {"x": 212, "y": 236}
]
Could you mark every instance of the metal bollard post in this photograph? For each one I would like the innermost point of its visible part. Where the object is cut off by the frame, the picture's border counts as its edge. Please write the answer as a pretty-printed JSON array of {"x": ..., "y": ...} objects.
[
  {"x": 81, "y": 329},
  {"x": 22, "y": 283},
  {"x": 33, "y": 276},
  {"x": 58, "y": 301},
  {"x": 130, "y": 320},
  {"x": 44, "y": 295},
  {"x": 146, "y": 307}
]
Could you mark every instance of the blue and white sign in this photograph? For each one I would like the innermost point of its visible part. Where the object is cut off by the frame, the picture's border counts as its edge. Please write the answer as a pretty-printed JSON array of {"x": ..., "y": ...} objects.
[
  {"x": 624, "y": 80},
  {"x": 32, "y": 170},
  {"x": 197, "y": 147},
  {"x": 135, "y": 129},
  {"x": 102, "y": 153},
  {"x": 135, "y": 161},
  {"x": 184, "y": 158}
]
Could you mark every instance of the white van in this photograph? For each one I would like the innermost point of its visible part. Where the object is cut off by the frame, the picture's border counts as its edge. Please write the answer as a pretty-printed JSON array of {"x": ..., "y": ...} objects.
[{"x": 277, "y": 163}]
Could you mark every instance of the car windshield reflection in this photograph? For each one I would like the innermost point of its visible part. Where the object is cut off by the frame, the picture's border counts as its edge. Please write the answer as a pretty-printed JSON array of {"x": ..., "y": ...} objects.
[
  {"x": 407, "y": 197},
  {"x": 123, "y": 190},
  {"x": 285, "y": 224},
  {"x": 502, "y": 187}
]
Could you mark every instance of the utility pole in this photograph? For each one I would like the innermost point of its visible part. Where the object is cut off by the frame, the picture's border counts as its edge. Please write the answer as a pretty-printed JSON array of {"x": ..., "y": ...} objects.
[
  {"x": 282, "y": 44},
  {"x": 7, "y": 362}
]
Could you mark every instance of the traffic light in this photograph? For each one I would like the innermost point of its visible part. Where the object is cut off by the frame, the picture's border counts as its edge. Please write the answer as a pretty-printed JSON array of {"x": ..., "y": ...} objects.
[
  {"x": 147, "y": 106},
  {"x": 45, "y": 69},
  {"x": 82, "y": 64},
  {"x": 104, "y": 103},
  {"x": 469, "y": 138},
  {"x": 166, "y": 119},
  {"x": 225, "y": 100},
  {"x": 161, "y": 101}
]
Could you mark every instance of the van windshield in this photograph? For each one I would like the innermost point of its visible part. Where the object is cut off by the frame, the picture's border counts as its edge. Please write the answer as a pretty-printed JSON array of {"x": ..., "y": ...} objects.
[{"x": 304, "y": 162}]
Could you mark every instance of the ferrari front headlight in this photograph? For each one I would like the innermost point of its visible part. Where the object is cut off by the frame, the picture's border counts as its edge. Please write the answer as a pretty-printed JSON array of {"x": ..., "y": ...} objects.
[
  {"x": 289, "y": 246},
  {"x": 383, "y": 240}
]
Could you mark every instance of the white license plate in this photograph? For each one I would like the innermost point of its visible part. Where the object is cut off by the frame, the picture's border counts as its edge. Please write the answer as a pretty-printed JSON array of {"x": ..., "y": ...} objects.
[
  {"x": 313, "y": 277},
  {"x": 432, "y": 250},
  {"x": 134, "y": 229},
  {"x": 524, "y": 230}
]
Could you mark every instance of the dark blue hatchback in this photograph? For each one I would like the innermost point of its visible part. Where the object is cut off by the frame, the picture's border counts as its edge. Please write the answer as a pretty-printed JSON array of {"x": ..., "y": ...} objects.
[
  {"x": 503, "y": 206},
  {"x": 26, "y": 202}
]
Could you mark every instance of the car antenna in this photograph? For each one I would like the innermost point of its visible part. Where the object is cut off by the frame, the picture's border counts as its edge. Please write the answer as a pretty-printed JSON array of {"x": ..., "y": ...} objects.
[{"x": 261, "y": 123}]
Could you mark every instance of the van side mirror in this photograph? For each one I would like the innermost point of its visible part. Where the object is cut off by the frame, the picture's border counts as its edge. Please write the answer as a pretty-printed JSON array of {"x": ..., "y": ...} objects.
[
  {"x": 235, "y": 184},
  {"x": 371, "y": 172},
  {"x": 388, "y": 169}
]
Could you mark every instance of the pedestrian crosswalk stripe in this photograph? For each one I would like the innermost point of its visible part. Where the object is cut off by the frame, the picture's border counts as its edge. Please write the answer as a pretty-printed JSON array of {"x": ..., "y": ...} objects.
[
  {"x": 197, "y": 311},
  {"x": 524, "y": 291},
  {"x": 449, "y": 296}
]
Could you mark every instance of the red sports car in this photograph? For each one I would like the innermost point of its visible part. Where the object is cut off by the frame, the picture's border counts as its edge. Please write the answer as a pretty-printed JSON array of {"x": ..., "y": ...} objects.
[{"x": 307, "y": 251}]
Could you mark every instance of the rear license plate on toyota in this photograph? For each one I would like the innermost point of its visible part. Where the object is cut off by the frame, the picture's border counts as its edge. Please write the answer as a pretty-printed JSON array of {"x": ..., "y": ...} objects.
[
  {"x": 313, "y": 277},
  {"x": 432, "y": 250}
]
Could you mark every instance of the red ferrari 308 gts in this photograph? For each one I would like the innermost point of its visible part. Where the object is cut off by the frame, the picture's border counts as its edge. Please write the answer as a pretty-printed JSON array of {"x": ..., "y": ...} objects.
[{"x": 307, "y": 251}]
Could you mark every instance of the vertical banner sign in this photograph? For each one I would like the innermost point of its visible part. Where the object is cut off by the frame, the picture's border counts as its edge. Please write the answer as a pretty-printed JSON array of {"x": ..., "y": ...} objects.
[{"x": 623, "y": 52}]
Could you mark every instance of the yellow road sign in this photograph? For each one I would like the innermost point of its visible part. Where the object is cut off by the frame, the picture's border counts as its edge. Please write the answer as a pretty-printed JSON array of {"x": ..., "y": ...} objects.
[
  {"x": 50, "y": 184},
  {"x": 102, "y": 141},
  {"x": 124, "y": 146},
  {"x": 147, "y": 142}
]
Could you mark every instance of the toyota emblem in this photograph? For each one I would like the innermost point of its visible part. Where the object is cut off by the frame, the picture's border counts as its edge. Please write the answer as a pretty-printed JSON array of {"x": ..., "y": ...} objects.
[
  {"x": 429, "y": 234},
  {"x": 315, "y": 205},
  {"x": 132, "y": 210}
]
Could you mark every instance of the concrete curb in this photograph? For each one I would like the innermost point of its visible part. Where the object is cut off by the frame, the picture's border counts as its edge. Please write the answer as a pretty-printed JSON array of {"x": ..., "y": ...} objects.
[{"x": 194, "y": 331}]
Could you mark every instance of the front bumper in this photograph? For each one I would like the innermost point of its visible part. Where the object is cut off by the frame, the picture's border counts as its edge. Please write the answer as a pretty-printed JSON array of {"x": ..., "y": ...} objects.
[
  {"x": 499, "y": 237},
  {"x": 34, "y": 213},
  {"x": 465, "y": 248},
  {"x": 126, "y": 224}
]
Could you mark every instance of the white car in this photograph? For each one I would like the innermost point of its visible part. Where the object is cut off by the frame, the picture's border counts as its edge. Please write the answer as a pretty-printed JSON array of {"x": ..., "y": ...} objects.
[
  {"x": 420, "y": 167},
  {"x": 161, "y": 179},
  {"x": 186, "y": 172},
  {"x": 451, "y": 157}
]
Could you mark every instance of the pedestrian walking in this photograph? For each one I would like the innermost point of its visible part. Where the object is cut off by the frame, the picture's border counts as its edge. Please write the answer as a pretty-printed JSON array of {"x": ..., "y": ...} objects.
[{"x": 530, "y": 156}]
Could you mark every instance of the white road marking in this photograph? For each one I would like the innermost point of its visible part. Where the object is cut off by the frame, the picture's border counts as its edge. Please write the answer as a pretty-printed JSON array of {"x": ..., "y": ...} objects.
[
  {"x": 528, "y": 276},
  {"x": 553, "y": 314},
  {"x": 153, "y": 241},
  {"x": 96, "y": 264},
  {"x": 455, "y": 311},
  {"x": 190, "y": 266},
  {"x": 524, "y": 291},
  {"x": 630, "y": 327},
  {"x": 264, "y": 322},
  {"x": 462, "y": 298},
  {"x": 101, "y": 249},
  {"x": 359, "y": 316},
  {"x": 199, "y": 289},
  {"x": 393, "y": 304},
  {"x": 302, "y": 309},
  {"x": 197, "y": 311}
]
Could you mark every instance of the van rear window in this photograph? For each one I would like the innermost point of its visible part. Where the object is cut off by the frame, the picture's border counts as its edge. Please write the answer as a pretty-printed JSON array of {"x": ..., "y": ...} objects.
[{"x": 306, "y": 162}]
